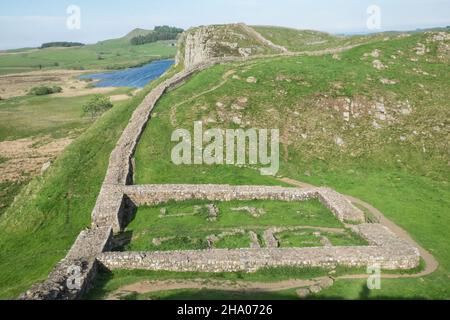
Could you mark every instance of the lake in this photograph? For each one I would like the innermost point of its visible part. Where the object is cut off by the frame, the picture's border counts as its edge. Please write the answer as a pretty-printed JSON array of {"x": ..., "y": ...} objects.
[{"x": 132, "y": 77}]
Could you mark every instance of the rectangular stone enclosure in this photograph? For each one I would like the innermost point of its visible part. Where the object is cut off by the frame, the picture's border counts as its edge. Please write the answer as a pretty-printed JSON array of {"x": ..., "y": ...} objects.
[{"x": 385, "y": 249}]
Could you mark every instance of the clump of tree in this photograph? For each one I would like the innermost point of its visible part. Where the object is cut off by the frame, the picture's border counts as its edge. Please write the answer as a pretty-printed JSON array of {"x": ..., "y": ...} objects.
[
  {"x": 44, "y": 90},
  {"x": 158, "y": 34},
  {"x": 97, "y": 105},
  {"x": 62, "y": 44}
]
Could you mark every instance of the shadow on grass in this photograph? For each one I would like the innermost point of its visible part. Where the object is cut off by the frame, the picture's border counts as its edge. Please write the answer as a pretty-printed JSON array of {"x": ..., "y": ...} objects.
[
  {"x": 101, "y": 290},
  {"x": 368, "y": 294}
]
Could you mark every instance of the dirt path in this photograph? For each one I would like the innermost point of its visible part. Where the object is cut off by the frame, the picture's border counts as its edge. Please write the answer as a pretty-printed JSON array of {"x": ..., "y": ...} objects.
[
  {"x": 231, "y": 286},
  {"x": 173, "y": 110},
  {"x": 144, "y": 287},
  {"x": 431, "y": 263}
]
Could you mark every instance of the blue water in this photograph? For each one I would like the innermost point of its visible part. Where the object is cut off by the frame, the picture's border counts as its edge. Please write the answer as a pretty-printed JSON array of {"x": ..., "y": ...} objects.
[{"x": 133, "y": 77}]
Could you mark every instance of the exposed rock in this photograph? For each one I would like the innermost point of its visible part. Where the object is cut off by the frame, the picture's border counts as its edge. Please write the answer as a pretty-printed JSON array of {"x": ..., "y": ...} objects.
[
  {"x": 405, "y": 108},
  {"x": 46, "y": 166},
  {"x": 375, "y": 53},
  {"x": 236, "y": 120},
  {"x": 254, "y": 241},
  {"x": 388, "y": 81},
  {"x": 254, "y": 212},
  {"x": 315, "y": 289},
  {"x": 336, "y": 56},
  {"x": 252, "y": 80},
  {"x": 377, "y": 64},
  {"x": 213, "y": 212},
  {"x": 420, "y": 49},
  {"x": 339, "y": 141},
  {"x": 270, "y": 240},
  {"x": 376, "y": 125},
  {"x": 303, "y": 293}
]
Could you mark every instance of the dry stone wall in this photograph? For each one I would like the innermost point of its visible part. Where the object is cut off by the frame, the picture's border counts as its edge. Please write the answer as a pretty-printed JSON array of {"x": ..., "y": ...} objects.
[
  {"x": 251, "y": 260},
  {"x": 260, "y": 38},
  {"x": 158, "y": 194},
  {"x": 72, "y": 277}
]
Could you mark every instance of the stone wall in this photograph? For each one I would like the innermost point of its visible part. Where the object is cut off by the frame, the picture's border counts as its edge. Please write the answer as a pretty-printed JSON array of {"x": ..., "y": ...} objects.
[
  {"x": 260, "y": 38},
  {"x": 389, "y": 256},
  {"x": 79, "y": 265},
  {"x": 109, "y": 207},
  {"x": 157, "y": 194}
]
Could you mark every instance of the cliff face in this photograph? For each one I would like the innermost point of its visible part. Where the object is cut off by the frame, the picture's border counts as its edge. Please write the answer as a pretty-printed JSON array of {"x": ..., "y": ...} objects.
[
  {"x": 198, "y": 46},
  {"x": 217, "y": 41}
]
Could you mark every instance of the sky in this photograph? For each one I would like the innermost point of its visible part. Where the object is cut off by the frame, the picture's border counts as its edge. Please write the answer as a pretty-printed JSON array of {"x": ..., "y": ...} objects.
[{"x": 29, "y": 23}]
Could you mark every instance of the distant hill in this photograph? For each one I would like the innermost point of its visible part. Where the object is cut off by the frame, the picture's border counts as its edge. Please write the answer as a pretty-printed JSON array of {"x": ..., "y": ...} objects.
[
  {"x": 160, "y": 33},
  {"x": 136, "y": 33},
  {"x": 105, "y": 55}
]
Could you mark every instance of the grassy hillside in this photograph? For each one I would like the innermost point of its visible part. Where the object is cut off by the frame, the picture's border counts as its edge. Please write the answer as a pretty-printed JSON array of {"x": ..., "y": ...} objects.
[
  {"x": 109, "y": 54},
  {"x": 48, "y": 214},
  {"x": 370, "y": 122},
  {"x": 298, "y": 40},
  {"x": 309, "y": 40}
]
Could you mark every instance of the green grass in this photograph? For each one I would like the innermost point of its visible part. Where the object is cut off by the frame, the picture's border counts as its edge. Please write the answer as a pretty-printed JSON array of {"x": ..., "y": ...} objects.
[
  {"x": 8, "y": 191},
  {"x": 31, "y": 116},
  {"x": 299, "y": 40},
  {"x": 238, "y": 241},
  {"x": 192, "y": 230},
  {"x": 203, "y": 294},
  {"x": 110, "y": 54},
  {"x": 307, "y": 238},
  {"x": 298, "y": 239},
  {"x": 407, "y": 180},
  {"x": 42, "y": 224},
  {"x": 108, "y": 282},
  {"x": 292, "y": 106}
]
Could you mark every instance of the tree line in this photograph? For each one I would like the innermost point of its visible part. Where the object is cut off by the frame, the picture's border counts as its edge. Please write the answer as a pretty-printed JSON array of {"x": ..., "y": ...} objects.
[
  {"x": 63, "y": 44},
  {"x": 158, "y": 34}
]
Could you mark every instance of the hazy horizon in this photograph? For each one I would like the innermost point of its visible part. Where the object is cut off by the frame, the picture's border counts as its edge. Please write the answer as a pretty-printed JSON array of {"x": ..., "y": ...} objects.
[{"x": 29, "y": 24}]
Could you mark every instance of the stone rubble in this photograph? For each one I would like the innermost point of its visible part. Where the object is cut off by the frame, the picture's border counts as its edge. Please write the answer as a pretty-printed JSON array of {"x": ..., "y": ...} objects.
[{"x": 254, "y": 212}]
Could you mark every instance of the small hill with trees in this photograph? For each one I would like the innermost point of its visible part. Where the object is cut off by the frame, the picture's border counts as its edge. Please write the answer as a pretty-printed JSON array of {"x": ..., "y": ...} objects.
[{"x": 158, "y": 34}]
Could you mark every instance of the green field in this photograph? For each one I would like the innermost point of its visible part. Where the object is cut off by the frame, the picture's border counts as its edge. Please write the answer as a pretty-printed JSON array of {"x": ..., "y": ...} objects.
[
  {"x": 39, "y": 230},
  {"x": 186, "y": 225},
  {"x": 401, "y": 168},
  {"x": 32, "y": 116},
  {"x": 110, "y": 54},
  {"x": 399, "y": 165}
]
